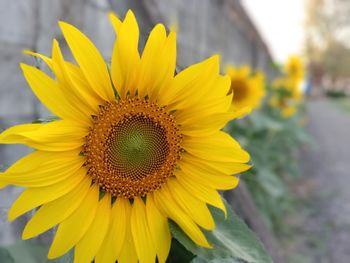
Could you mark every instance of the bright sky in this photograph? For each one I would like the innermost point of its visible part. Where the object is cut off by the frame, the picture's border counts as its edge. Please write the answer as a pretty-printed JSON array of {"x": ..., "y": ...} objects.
[{"x": 280, "y": 23}]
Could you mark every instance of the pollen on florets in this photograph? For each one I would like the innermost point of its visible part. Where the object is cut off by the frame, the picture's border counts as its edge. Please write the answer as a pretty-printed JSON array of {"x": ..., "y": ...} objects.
[{"x": 132, "y": 148}]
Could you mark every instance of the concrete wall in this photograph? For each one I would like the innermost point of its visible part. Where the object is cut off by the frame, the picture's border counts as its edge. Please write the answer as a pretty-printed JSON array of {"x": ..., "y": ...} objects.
[{"x": 204, "y": 27}]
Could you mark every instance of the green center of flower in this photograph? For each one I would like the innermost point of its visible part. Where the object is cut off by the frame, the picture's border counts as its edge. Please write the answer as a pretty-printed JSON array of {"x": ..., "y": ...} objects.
[
  {"x": 139, "y": 147},
  {"x": 132, "y": 148}
]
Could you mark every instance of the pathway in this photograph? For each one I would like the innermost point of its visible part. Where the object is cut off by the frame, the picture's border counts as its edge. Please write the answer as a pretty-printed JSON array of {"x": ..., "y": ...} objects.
[{"x": 322, "y": 224}]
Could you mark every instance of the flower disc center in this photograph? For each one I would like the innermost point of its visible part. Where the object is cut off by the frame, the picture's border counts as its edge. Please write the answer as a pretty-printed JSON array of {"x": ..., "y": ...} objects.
[
  {"x": 132, "y": 148},
  {"x": 239, "y": 89},
  {"x": 138, "y": 147}
]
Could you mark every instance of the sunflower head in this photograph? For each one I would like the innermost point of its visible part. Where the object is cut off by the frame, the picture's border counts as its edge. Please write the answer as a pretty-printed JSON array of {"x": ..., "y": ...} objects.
[
  {"x": 294, "y": 68},
  {"x": 133, "y": 147},
  {"x": 286, "y": 95},
  {"x": 287, "y": 108},
  {"x": 248, "y": 90},
  {"x": 288, "y": 111}
]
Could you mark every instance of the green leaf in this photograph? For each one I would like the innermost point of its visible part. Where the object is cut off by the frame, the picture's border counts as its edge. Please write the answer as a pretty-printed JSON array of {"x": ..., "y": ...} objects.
[
  {"x": 231, "y": 239},
  {"x": 5, "y": 256},
  {"x": 262, "y": 121},
  {"x": 178, "y": 253},
  {"x": 271, "y": 182}
]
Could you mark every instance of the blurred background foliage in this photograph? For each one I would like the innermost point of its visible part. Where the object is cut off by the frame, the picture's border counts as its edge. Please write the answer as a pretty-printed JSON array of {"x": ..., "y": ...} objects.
[
  {"x": 327, "y": 30},
  {"x": 273, "y": 139}
]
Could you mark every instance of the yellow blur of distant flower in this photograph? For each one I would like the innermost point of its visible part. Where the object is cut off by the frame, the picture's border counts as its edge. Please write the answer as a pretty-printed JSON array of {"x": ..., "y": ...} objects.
[
  {"x": 294, "y": 68},
  {"x": 288, "y": 111},
  {"x": 286, "y": 96},
  {"x": 287, "y": 93},
  {"x": 248, "y": 90},
  {"x": 133, "y": 148}
]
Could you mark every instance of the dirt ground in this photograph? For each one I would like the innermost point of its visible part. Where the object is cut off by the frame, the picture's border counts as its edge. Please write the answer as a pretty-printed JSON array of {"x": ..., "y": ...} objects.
[{"x": 320, "y": 224}]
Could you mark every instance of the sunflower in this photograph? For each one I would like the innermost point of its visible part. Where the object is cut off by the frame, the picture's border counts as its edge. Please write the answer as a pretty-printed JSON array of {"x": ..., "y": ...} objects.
[
  {"x": 294, "y": 68},
  {"x": 247, "y": 90},
  {"x": 286, "y": 96},
  {"x": 131, "y": 148},
  {"x": 288, "y": 111}
]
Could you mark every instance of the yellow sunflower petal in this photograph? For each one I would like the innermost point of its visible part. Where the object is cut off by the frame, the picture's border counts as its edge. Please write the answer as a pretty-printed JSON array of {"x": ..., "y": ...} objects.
[
  {"x": 33, "y": 197},
  {"x": 151, "y": 72},
  {"x": 204, "y": 86},
  {"x": 195, "y": 208},
  {"x": 241, "y": 111},
  {"x": 38, "y": 158},
  {"x": 57, "y": 129},
  {"x": 203, "y": 193},
  {"x": 46, "y": 59},
  {"x": 189, "y": 83},
  {"x": 218, "y": 167},
  {"x": 77, "y": 80},
  {"x": 116, "y": 23},
  {"x": 159, "y": 229},
  {"x": 71, "y": 230},
  {"x": 61, "y": 135},
  {"x": 90, "y": 61},
  {"x": 197, "y": 114},
  {"x": 126, "y": 57},
  {"x": 141, "y": 234},
  {"x": 41, "y": 178},
  {"x": 88, "y": 93},
  {"x": 244, "y": 71},
  {"x": 2, "y": 185},
  {"x": 49, "y": 93},
  {"x": 128, "y": 252},
  {"x": 165, "y": 66},
  {"x": 53, "y": 168},
  {"x": 168, "y": 205},
  {"x": 231, "y": 71},
  {"x": 219, "y": 89},
  {"x": 193, "y": 82},
  {"x": 209, "y": 125},
  {"x": 207, "y": 176},
  {"x": 88, "y": 246},
  {"x": 219, "y": 147},
  {"x": 70, "y": 88},
  {"x": 53, "y": 213},
  {"x": 115, "y": 237},
  {"x": 215, "y": 101},
  {"x": 10, "y": 135}
]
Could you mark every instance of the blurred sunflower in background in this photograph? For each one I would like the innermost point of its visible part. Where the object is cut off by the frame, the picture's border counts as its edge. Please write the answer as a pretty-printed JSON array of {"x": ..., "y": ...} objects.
[
  {"x": 247, "y": 89},
  {"x": 286, "y": 96},
  {"x": 287, "y": 93},
  {"x": 294, "y": 68},
  {"x": 131, "y": 148}
]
